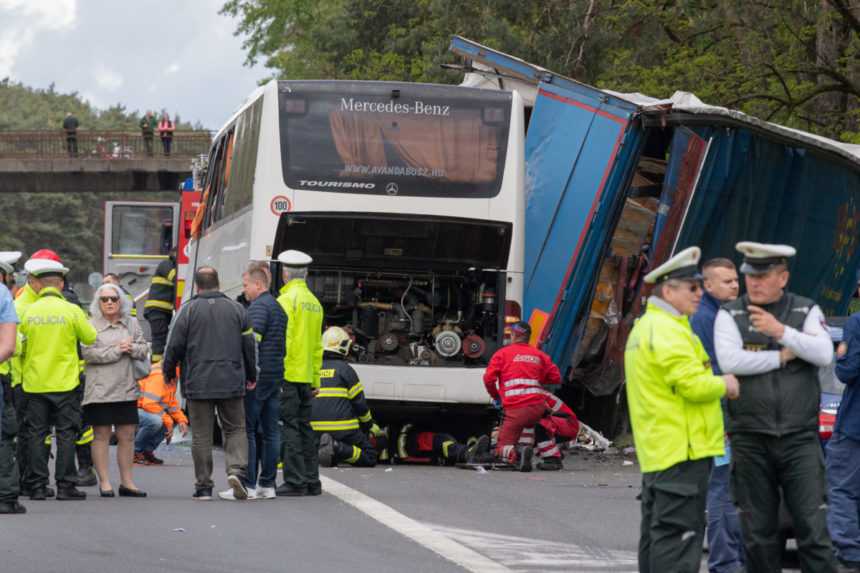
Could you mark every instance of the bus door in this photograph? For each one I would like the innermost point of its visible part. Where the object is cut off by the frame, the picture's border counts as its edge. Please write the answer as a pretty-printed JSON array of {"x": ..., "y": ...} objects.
[{"x": 138, "y": 236}]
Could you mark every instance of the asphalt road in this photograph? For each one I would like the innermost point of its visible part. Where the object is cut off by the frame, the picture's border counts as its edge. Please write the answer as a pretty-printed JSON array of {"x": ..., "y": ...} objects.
[{"x": 391, "y": 518}]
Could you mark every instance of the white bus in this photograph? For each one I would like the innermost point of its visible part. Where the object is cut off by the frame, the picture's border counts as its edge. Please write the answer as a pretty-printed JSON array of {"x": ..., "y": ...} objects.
[{"x": 409, "y": 197}]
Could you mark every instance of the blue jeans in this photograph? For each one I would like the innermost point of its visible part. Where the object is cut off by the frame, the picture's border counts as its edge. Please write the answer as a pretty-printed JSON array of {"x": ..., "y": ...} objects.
[
  {"x": 150, "y": 431},
  {"x": 261, "y": 420},
  {"x": 725, "y": 544},
  {"x": 843, "y": 480}
]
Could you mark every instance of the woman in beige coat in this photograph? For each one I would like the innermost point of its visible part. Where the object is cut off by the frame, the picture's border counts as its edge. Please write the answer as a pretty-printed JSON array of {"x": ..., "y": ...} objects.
[{"x": 111, "y": 392}]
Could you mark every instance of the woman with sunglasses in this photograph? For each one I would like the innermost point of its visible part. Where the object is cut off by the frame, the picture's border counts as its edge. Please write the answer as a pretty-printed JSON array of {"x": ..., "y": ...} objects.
[{"x": 111, "y": 392}]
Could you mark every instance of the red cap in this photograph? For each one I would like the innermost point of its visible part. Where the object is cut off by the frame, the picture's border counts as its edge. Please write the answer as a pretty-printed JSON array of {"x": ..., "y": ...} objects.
[{"x": 46, "y": 254}]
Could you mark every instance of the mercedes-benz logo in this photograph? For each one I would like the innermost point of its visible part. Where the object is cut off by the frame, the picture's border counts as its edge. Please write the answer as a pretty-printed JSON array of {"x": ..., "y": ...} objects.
[{"x": 392, "y": 189}]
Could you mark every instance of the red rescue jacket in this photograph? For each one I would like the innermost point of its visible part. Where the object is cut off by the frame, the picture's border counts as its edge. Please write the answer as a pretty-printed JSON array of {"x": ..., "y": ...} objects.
[{"x": 516, "y": 375}]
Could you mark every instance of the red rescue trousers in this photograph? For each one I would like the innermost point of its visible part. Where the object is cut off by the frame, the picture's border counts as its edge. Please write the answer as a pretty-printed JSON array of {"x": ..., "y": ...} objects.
[{"x": 513, "y": 424}]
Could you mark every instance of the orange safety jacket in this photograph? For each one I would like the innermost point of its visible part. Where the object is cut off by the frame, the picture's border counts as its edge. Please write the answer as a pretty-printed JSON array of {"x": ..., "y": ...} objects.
[{"x": 160, "y": 398}]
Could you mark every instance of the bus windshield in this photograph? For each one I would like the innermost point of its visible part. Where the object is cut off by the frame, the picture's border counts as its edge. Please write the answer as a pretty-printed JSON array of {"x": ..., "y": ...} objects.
[{"x": 393, "y": 138}]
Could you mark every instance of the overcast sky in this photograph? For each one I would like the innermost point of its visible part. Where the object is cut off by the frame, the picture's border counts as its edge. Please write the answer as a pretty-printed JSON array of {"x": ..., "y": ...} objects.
[{"x": 180, "y": 55}]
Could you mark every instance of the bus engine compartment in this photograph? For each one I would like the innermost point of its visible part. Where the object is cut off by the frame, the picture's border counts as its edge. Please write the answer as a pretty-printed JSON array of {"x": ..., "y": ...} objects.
[{"x": 415, "y": 319}]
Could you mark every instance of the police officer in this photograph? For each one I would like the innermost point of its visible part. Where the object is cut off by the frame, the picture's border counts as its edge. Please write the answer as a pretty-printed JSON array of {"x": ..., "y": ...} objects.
[
  {"x": 9, "y": 344},
  {"x": 674, "y": 402},
  {"x": 339, "y": 413},
  {"x": 302, "y": 364},
  {"x": 52, "y": 328},
  {"x": 774, "y": 341},
  {"x": 158, "y": 308}
]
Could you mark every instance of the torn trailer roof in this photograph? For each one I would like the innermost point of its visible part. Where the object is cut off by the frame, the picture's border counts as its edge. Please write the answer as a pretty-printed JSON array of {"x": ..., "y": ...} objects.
[{"x": 616, "y": 183}]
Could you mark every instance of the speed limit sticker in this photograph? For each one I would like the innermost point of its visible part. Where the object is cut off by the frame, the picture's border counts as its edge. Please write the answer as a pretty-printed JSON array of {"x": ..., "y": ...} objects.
[{"x": 280, "y": 204}]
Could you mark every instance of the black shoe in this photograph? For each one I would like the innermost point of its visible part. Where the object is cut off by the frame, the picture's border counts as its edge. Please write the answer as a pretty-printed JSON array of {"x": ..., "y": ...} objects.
[
  {"x": 524, "y": 459},
  {"x": 479, "y": 450},
  {"x": 285, "y": 490},
  {"x": 106, "y": 493},
  {"x": 86, "y": 477},
  {"x": 128, "y": 492},
  {"x": 326, "y": 451},
  {"x": 70, "y": 493},
  {"x": 11, "y": 507},
  {"x": 39, "y": 494},
  {"x": 315, "y": 490},
  {"x": 202, "y": 494},
  {"x": 550, "y": 465},
  {"x": 27, "y": 492}
]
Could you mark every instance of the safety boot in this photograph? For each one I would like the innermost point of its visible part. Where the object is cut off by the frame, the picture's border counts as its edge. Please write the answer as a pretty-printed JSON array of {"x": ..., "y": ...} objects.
[
  {"x": 524, "y": 459},
  {"x": 11, "y": 507},
  {"x": 479, "y": 451},
  {"x": 326, "y": 451},
  {"x": 552, "y": 464},
  {"x": 86, "y": 476},
  {"x": 70, "y": 493}
]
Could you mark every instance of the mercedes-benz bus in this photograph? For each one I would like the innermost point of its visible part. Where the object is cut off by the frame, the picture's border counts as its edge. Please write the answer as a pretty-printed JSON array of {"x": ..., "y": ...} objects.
[{"x": 409, "y": 198}]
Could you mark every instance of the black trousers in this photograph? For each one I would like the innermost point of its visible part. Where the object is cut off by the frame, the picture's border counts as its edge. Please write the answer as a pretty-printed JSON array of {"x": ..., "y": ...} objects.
[
  {"x": 673, "y": 518},
  {"x": 301, "y": 443},
  {"x": 22, "y": 446},
  {"x": 63, "y": 411},
  {"x": 9, "y": 479},
  {"x": 353, "y": 447},
  {"x": 763, "y": 465},
  {"x": 159, "y": 323}
]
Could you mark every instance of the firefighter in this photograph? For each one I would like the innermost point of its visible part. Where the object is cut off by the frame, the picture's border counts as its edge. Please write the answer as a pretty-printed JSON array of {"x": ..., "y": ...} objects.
[
  {"x": 340, "y": 415},
  {"x": 516, "y": 375},
  {"x": 674, "y": 401},
  {"x": 302, "y": 364},
  {"x": 414, "y": 442},
  {"x": 9, "y": 480},
  {"x": 52, "y": 329},
  {"x": 160, "y": 302},
  {"x": 775, "y": 341}
]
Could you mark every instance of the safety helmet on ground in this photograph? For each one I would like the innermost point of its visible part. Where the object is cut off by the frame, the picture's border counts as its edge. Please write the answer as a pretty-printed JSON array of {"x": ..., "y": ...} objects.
[
  {"x": 46, "y": 254},
  {"x": 336, "y": 339}
]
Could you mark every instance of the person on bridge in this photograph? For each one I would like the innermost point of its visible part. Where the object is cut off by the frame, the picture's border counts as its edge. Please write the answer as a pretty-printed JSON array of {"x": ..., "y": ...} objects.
[
  {"x": 147, "y": 125},
  {"x": 725, "y": 543},
  {"x": 302, "y": 364},
  {"x": 263, "y": 404},
  {"x": 674, "y": 402},
  {"x": 160, "y": 302},
  {"x": 516, "y": 375},
  {"x": 70, "y": 126},
  {"x": 775, "y": 341},
  {"x": 165, "y": 132},
  {"x": 158, "y": 412},
  {"x": 52, "y": 328},
  {"x": 339, "y": 413},
  {"x": 9, "y": 344},
  {"x": 213, "y": 340}
]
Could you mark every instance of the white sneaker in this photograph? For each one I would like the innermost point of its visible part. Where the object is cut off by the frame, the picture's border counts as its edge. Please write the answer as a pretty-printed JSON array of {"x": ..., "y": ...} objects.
[
  {"x": 265, "y": 493},
  {"x": 230, "y": 496},
  {"x": 238, "y": 488}
]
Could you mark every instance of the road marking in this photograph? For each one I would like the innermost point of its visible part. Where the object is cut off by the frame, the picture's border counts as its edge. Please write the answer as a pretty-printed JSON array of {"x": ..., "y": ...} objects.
[
  {"x": 529, "y": 554},
  {"x": 437, "y": 542}
]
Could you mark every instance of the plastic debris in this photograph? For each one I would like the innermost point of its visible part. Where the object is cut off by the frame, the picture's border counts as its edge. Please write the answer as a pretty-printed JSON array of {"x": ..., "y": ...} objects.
[
  {"x": 389, "y": 469},
  {"x": 179, "y": 530},
  {"x": 481, "y": 470},
  {"x": 212, "y": 526},
  {"x": 626, "y": 463},
  {"x": 590, "y": 439}
]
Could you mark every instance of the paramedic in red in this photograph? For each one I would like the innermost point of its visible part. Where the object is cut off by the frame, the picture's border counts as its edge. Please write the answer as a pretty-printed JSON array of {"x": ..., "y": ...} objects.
[{"x": 516, "y": 376}]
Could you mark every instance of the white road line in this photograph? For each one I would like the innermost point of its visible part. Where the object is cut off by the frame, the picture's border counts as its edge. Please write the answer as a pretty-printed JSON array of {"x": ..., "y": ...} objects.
[{"x": 425, "y": 536}]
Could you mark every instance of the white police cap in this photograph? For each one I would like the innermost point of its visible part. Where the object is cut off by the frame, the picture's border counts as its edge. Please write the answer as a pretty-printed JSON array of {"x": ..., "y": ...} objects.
[
  {"x": 8, "y": 259},
  {"x": 39, "y": 267},
  {"x": 683, "y": 266},
  {"x": 759, "y": 258},
  {"x": 293, "y": 258}
]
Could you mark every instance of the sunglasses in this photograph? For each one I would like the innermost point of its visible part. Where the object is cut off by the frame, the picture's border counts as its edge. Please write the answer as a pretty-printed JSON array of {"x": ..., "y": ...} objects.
[{"x": 109, "y": 298}]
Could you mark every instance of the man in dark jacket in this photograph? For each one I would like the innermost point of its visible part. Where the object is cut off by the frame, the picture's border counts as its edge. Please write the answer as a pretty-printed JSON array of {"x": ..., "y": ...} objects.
[
  {"x": 212, "y": 340},
  {"x": 843, "y": 454},
  {"x": 70, "y": 126},
  {"x": 262, "y": 405}
]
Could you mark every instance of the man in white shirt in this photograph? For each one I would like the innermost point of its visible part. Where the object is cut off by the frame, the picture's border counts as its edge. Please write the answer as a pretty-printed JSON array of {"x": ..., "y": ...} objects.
[{"x": 774, "y": 341}]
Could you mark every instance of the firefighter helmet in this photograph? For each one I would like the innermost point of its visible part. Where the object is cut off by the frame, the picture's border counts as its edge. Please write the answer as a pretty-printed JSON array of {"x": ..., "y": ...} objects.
[{"x": 336, "y": 339}]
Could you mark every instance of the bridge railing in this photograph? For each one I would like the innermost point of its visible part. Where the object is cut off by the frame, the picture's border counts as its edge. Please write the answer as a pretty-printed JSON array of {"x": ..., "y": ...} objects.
[{"x": 51, "y": 144}]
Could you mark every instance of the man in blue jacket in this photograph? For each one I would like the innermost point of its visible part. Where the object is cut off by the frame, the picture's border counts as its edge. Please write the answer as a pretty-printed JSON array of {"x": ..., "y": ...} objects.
[
  {"x": 725, "y": 553},
  {"x": 262, "y": 404},
  {"x": 843, "y": 454}
]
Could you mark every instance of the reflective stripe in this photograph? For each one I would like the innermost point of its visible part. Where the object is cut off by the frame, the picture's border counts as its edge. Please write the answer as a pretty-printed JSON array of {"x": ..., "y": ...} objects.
[
  {"x": 528, "y": 431},
  {"x": 356, "y": 389},
  {"x": 258, "y": 336},
  {"x": 158, "y": 304},
  {"x": 523, "y": 391},
  {"x": 86, "y": 437},
  {"x": 161, "y": 281},
  {"x": 249, "y": 331},
  {"x": 332, "y": 393},
  {"x": 445, "y": 445},
  {"x": 553, "y": 452},
  {"x": 335, "y": 425},
  {"x": 173, "y": 409},
  {"x": 356, "y": 453},
  {"x": 172, "y": 274},
  {"x": 151, "y": 396},
  {"x": 364, "y": 418},
  {"x": 520, "y": 382}
]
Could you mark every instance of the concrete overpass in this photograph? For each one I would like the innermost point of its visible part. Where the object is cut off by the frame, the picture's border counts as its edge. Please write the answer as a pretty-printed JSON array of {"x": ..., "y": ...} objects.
[{"x": 105, "y": 161}]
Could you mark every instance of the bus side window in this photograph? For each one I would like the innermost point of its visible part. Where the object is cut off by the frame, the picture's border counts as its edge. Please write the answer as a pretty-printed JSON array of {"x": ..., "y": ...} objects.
[
  {"x": 221, "y": 183},
  {"x": 213, "y": 183},
  {"x": 244, "y": 163}
]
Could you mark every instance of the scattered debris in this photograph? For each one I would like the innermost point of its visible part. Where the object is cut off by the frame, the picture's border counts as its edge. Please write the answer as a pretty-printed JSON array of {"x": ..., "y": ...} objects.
[
  {"x": 626, "y": 463},
  {"x": 389, "y": 469},
  {"x": 590, "y": 440},
  {"x": 481, "y": 470},
  {"x": 179, "y": 530}
]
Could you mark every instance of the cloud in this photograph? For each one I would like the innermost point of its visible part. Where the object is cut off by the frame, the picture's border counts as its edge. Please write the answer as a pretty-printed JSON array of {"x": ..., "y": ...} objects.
[
  {"x": 107, "y": 79},
  {"x": 22, "y": 20}
]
